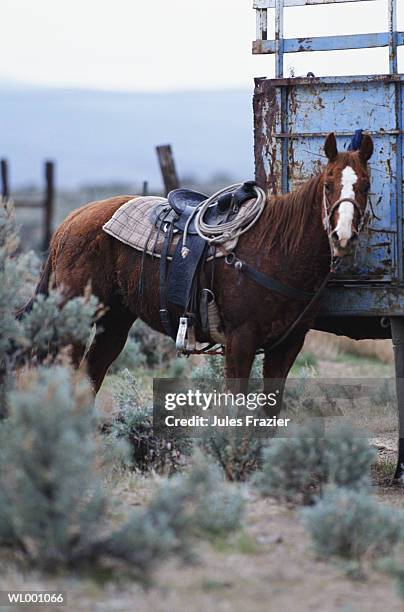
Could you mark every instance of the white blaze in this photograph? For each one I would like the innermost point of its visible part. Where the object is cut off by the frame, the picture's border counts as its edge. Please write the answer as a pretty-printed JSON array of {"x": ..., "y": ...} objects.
[{"x": 346, "y": 209}]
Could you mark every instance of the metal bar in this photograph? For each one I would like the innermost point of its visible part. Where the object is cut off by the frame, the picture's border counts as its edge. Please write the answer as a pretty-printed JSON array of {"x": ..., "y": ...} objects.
[
  {"x": 285, "y": 141},
  {"x": 393, "y": 38},
  {"x": 336, "y": 43},
  {"x": 48, "y": 203},
  {"x": 5, "y": 187},
  {"x": 341, "y": 134},
  {"x": 397, "y": 334},
  {"x": 340, "y": 80},
  {"x": 269, "y": 4},
  {"x": 262, "y": 24},
  {"x": 398, "y": 110},
  {"x": 279, "y": 41}
]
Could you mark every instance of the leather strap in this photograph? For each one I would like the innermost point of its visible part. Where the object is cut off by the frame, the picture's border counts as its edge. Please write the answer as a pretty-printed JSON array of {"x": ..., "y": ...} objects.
[
  {"x": 267, "y": 281},
  {"x": 164, "y": 314}
]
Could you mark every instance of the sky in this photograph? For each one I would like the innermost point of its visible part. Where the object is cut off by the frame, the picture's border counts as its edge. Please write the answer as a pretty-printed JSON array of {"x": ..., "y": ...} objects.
[{"x": 169, "y": 45}]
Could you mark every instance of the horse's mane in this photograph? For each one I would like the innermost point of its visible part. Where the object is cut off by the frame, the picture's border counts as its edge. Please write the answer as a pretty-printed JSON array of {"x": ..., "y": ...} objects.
[{"x": 285, "y": 217}]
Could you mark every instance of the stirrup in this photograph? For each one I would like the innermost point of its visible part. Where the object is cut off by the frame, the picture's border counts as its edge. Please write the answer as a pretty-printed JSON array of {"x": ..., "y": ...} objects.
[{"x": 185, "y": 342}]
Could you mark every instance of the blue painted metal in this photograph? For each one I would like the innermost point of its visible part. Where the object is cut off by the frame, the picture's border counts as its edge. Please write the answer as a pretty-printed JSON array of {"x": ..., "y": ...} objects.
[
  {"x": 264, "y": 4},
  {"x": 292, "y": 118},
  {"x": 328, "y": 43}
]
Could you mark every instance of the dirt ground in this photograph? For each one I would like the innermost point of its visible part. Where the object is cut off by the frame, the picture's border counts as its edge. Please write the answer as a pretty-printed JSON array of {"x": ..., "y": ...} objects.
[{"x": 269, "y": 566}]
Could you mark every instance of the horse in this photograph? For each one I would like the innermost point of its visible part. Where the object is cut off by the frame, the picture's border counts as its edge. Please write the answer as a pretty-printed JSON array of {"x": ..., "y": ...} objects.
[{"x": 293, "y": 241}]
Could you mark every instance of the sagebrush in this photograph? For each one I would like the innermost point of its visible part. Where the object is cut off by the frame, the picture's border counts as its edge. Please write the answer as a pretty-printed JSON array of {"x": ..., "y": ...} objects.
[
  {"x": 352, "y": 525},
  {"x": 54, "y": 509},
  {"x": 133, "y": 421},
  {"x": 51, "y": 325},
  {"x": 297, "y": 468}
]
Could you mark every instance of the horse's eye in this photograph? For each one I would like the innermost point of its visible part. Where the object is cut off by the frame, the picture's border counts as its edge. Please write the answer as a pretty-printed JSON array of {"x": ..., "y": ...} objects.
[{"x": 327, "y": 188}]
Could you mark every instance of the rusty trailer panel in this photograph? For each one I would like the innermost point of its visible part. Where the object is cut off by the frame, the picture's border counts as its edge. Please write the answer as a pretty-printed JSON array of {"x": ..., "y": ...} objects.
[{"x": 292, "y": 116}]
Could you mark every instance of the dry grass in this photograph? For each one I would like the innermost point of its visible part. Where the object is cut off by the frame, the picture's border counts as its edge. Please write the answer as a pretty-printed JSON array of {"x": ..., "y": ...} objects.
[{"x": 329, "y": 346}]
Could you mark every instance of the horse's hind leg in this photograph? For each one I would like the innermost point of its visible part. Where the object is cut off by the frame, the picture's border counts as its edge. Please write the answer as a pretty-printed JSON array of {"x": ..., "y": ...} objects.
[{"x": 113, "y": 329}]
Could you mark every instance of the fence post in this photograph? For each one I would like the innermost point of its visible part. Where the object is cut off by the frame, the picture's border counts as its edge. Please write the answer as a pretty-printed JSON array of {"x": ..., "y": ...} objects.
[
  {"x": 145, "y": 188},
  {"x": 48, "y": 203},
  {"x": 167, "y": 167},
  {"x": 5, "y": 187}
]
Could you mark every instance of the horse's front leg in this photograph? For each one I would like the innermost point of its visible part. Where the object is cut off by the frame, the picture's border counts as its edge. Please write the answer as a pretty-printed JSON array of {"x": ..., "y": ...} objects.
[
  {"x": 241, "y": 346},
  {"x": 277, "y": 364}
]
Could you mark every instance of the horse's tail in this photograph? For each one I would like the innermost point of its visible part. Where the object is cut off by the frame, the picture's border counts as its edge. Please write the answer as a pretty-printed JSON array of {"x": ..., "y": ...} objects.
[{"x": 42, "y": 288}]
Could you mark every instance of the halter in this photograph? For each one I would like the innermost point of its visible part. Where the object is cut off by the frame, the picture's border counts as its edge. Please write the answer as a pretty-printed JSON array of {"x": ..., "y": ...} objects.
[{"x": 329, "y": 211}]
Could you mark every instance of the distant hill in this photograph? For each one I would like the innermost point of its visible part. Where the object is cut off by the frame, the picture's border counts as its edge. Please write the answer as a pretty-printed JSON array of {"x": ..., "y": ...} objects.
[{"x": 100, "y": 136}]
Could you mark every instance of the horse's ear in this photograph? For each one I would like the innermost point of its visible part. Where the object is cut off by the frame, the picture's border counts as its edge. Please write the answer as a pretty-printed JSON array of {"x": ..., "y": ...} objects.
[
  {"x": 366, "y": 150},
  {"x": 330, "y": 147}
]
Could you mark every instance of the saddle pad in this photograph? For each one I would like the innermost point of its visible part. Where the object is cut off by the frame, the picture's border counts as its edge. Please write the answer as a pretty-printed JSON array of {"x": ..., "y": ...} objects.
[{"x": 131, "y": 224}]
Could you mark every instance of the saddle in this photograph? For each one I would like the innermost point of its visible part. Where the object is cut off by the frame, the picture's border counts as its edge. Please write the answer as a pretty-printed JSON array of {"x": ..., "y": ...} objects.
[
  {"x": 181, "y": 205},
  {"x": 179, "y": 279}
]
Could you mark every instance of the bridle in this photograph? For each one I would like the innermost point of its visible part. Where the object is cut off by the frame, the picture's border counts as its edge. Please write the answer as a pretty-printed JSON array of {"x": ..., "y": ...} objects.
[{"x": 329, "y": 210}]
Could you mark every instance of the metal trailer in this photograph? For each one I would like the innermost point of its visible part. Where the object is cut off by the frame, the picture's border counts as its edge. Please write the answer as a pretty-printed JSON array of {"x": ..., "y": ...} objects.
[{"x": 292, "y": 116}]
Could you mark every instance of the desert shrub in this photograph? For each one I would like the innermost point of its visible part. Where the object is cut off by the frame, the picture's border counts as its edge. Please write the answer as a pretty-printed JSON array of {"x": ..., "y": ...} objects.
[
  {"x": 237, "y": 450},
  {"x": 352, "y": 525},
  {"x": 219, "y": 513},
  {"x": 297, "y": 468},
  {"x": 302, "y": 399},
  {"x": 209, "y": 505},
  {"x": 213, "y": 368},
  {"x": 157, "y": 349},
  {"x": 293, "y": 468},
  {"x": 188, "y": 506},
  {"x": 394, "y": 566},
  {"x": 47, "y": 328},
  {"x": 113, "y": 455},
  {"x": 133, "y": 421},
  {"x": 349, "y": 458},
  {"x": 52, "y": 507},
  {"x": 178, "y": 368},
  {"x": 130, "y": 358},
  {"x": 12, "y": 280},
  {"x": 49, "y": 510}
]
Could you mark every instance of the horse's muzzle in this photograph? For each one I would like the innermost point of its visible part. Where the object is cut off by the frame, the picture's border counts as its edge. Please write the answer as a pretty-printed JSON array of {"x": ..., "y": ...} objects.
[{"x": 341, "y": 248}]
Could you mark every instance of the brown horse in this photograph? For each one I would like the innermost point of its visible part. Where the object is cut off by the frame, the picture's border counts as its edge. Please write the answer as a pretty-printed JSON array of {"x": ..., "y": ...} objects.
[{"x": 291, "y": 242}]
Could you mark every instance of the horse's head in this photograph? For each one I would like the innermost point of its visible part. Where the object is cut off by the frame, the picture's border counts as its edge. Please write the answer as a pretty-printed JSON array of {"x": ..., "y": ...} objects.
[{"x": 345, "y": 193}]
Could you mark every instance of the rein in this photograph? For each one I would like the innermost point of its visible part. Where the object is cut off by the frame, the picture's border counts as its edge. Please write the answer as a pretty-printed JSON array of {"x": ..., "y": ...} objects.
[
  {"x": 267, "y": 281},
  {"x": 292, "y": 292},
  {"x": 334, "y": 265},
  {"x": 274, "y": 285}
]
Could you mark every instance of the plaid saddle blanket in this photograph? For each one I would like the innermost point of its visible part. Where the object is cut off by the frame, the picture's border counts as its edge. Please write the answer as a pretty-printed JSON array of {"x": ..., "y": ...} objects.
[{"x": 132, "y": 224}]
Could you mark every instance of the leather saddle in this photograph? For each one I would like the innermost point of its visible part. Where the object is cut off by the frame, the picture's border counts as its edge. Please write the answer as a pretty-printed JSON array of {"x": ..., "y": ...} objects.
[
  {"x": 178, "y": 281},
  {"x": 181, "y": 205},
  {"x": 184, "y": 201}
]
